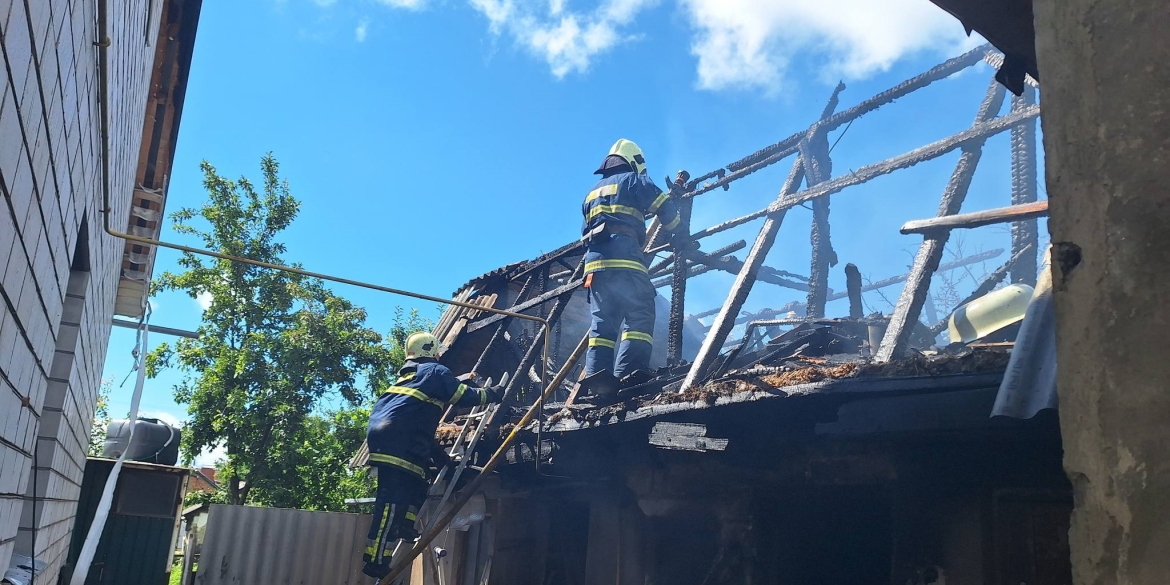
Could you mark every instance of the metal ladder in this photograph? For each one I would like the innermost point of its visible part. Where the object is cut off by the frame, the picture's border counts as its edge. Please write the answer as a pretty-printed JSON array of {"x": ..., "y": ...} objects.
[{"x": 432, "y": 508}]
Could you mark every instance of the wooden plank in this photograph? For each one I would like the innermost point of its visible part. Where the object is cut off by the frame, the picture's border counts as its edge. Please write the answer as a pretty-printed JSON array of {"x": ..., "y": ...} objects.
[
  {"x": 930, "y": 253},
  {"x": 978, "y": 218},
  {"x": 526, "y": 305}
]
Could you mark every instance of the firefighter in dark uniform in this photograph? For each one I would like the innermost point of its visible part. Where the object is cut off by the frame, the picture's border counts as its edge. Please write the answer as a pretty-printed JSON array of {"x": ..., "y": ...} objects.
[
  {"x": 620, "y": 292},
  {"x": 401, "y": 439}
]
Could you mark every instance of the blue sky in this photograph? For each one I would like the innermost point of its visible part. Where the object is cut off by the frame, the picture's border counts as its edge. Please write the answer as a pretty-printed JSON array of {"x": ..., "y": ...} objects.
[{"x": 433, "y": 140}]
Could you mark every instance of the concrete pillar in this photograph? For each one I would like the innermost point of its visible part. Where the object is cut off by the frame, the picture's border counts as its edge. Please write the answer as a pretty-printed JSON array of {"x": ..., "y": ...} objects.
[{"x": 1106, "y": 93}]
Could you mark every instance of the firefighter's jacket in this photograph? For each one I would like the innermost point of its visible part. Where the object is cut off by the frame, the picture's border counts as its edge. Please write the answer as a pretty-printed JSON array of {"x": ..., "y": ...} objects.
[
  {"x": 404, "y": 419},
  {"x": 622, "y": 202}
]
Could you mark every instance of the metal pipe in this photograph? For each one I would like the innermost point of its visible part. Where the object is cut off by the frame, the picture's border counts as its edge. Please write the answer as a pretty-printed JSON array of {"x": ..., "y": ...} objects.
[
  {"x": 103, "y": 83},
  {"x": 157, "y": 329}
]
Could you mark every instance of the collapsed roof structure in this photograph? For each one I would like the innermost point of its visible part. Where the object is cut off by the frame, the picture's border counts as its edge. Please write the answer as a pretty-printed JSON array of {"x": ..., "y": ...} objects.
[
  {"x": 550, "y": 285},
  {"x": 781, "y": 446}
]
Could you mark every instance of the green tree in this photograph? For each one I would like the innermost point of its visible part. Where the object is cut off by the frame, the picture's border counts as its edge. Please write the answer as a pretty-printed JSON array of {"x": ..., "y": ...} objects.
[
  {"x": 101, "y": 420},
  {"x": 315, "y": 466},
  {"x": 273, "y": 345}
]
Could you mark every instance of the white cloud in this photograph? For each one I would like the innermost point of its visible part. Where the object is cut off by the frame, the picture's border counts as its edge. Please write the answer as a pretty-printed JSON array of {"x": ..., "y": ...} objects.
[
  {"x": 203, "y": 299},
  {"x": 209, "y": 457},
  {"x": 408, "y": 4},
  {"x": 738, "y": 44},
  {"x": 164, "y": 416},
  {"x": 750, "y": 43},
  {"x": 567, "y": 40},
  {"x": 359, "y": 33}
]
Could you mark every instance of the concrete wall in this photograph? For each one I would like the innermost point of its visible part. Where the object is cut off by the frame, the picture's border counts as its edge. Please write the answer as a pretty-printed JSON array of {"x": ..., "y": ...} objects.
[
  {"x": 57, "y": 304},
  {"x": 1106, "y": 125}
]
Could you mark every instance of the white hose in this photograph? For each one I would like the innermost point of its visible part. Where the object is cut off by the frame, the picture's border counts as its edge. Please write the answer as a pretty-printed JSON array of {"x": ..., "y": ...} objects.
[{"x": 81, "y": 569}]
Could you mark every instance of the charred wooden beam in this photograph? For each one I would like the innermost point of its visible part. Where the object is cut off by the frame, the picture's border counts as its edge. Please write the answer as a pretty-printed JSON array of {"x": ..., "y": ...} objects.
[
  {"x": 557, "y": 256},
  {"x": 1024, "y": 232},
  {"x": 678, "y": 283},
  {"x": 814, "y": 153},
  {"x": 1011, "y": 213},
  {"x": 733, "y": 265},
  {"x": 853, "y": 289},
  {"x": 660, "y": 268},
  {"x": 972, "y": 135},
  {"x": 779, "y": 151},
  {"x": 909, "y": 307},
  {"x": 961, "y": 262},
  {"x": 931, "y": 151},
  {"x": 554, "y": 315},
  {"x": 498, "y": 334},
  {"x": 693, "y": 270},
  {"x": 527, "y": 305},
  {"x": 745, "y": 279},
  {"x": 726, "y": 180},
  {"x": 879, "y": 284},
  {"x": 722, "y": 227}
]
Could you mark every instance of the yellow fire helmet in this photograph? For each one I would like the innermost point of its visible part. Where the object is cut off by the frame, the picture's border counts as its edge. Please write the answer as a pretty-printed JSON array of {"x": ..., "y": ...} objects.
[
  {"x": 422, "y": 345},
  {"x": 989, "y": 313},
  {"x": 631, "y": 153}
]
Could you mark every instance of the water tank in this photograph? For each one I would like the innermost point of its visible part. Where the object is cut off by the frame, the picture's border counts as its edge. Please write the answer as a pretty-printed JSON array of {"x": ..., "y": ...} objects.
[{"x": 154, "y": 441}]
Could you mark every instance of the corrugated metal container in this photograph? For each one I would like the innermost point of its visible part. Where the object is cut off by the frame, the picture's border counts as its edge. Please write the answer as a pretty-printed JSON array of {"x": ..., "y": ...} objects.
[
  {"x": 136, "y": 543},
  {"x": 245, "y": 545}
]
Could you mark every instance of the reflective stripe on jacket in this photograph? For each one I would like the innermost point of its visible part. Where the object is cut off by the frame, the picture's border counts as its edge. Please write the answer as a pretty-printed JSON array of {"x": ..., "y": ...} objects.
[
  {"x": 404, "y": 419},
  {"x": 623, "y": 201}
]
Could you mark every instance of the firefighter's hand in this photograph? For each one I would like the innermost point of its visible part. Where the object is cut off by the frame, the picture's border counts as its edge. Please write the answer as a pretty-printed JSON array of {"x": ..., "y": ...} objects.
[
  {"x": 495, "y": 392},
  {"x": 439, "y": 457}
]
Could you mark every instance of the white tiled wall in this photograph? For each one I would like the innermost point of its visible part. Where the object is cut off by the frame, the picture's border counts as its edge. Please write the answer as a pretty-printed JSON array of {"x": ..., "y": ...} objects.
[{"x": 52, "y": 345}]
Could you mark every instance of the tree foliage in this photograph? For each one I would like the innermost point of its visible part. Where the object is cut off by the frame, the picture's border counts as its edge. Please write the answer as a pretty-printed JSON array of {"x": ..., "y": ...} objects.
[
  {"x": 101, "y": 420},
  {"x": 316, "y": 461},
  {"x": 273, "y": 345}
]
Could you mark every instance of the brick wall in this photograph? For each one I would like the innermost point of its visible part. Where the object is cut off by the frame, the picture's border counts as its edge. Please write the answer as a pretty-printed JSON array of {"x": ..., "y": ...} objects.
[{"x": 58, "y": 269}]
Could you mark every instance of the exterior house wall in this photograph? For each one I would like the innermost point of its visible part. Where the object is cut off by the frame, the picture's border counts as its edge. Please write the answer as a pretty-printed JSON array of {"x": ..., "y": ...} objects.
[{"x": 59, "y": 271}]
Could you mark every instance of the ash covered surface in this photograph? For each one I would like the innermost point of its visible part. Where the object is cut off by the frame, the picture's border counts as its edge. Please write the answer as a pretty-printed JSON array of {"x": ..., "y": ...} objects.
[{"x": 795, "y": 372}]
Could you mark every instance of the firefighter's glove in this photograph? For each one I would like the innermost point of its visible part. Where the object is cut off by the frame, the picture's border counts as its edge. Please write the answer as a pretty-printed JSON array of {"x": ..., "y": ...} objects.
[
  {"x": 495, "y": 392},
  {"x": 439, "y": 456}
]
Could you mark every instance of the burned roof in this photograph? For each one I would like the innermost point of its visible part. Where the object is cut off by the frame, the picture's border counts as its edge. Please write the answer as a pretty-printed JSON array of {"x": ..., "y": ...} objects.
[
  {"x": 803, "y": 357},
  {"x": 802, "y": 377}
]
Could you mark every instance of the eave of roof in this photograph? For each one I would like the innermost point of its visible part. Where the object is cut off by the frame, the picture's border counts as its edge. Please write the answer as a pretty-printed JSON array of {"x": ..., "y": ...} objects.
[{"x": 174, "y": 47}]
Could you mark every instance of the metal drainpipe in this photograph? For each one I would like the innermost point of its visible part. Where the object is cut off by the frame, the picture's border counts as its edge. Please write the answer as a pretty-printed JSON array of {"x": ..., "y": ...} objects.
[{"x": 103, "y": 89}]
